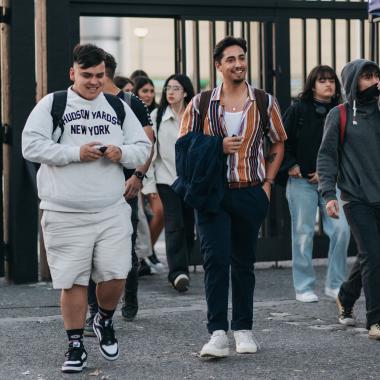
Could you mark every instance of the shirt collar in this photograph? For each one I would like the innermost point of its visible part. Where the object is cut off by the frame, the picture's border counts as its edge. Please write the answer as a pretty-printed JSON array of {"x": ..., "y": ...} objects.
[{"x": 168, "y": 114}]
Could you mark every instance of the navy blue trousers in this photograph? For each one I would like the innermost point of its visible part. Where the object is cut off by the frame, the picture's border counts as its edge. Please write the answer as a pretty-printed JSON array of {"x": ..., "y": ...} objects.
[{"x": 228, "y": 242}]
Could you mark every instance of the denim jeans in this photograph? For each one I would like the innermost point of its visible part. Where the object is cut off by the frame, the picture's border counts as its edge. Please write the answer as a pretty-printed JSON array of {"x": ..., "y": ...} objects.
[{"x": 304, "y": 199}]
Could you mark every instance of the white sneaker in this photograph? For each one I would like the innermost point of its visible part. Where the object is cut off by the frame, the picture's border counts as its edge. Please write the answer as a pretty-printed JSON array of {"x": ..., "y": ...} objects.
[
  {"x": 217, "y": 347},
  {"x": 307, "y": 297},
  {"x": 245, "y": 343},
  {"x": 181, "y": 283},
  {"x": 333, "y": 293},
  {"x": 374, "y": 331}
]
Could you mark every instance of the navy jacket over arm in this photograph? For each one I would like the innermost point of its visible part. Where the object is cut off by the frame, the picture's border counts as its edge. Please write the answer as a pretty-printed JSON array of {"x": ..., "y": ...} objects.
[{"x": 201, "y": 165}]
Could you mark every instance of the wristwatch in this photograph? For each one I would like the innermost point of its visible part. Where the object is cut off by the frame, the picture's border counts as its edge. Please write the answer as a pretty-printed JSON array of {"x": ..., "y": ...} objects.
[{"x": 139, "y": 175}]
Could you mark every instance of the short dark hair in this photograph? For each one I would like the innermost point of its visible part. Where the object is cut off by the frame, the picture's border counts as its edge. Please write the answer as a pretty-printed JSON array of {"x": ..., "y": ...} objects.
[
  {"x": 138, "y": 73},
  {"x": 111, "y": 65},
  {"x": 88, "y": 55},
  {"x": 225, "y": 43},
  {"x": 320, "y": 72},
  {"x": 121, "y": 81}
]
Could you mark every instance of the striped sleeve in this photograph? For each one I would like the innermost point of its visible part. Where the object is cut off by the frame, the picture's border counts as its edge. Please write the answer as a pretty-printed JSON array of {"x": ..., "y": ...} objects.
[
  {"x": 276, "y": 129},
  {"x": 191, "y": 120}
]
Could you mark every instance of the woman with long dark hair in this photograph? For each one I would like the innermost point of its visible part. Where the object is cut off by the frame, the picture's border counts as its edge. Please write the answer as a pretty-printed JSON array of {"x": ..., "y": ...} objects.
[
  {"x": 179, "y": 219},
  {"x": 304, "y": 122},
  {"x": 144, "y": 89}
]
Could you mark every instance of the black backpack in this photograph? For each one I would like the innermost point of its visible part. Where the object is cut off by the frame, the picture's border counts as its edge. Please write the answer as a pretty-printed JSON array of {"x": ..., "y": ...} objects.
[{"x": 59, "y": 105}]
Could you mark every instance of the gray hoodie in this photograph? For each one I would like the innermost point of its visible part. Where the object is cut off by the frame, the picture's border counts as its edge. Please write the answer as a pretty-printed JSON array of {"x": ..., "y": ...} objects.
[{"x": 355, "y": 165}]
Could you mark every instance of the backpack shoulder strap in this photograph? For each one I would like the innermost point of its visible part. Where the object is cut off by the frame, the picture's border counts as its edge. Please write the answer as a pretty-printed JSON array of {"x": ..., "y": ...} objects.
[
  {"x": 128, "y": 98},
  {"x": 58, "y": 109},
  {"x": 262, "y": 100},
  {"x": 117, "y": 106},
  {"x": 203, "y": 105},
  {"x": 342, "y": 122}
]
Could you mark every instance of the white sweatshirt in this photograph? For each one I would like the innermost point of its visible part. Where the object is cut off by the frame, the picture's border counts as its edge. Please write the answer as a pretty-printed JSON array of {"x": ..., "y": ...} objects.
[
  {"x": 163, "y": 169},
  {"x": 64, "y": 182}
]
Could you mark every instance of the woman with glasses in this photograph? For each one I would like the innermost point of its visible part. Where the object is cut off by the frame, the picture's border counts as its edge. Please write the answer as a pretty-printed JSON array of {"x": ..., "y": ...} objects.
[
  {"x": 304, "y": 122},
  {"x": 179, "y": 219}
]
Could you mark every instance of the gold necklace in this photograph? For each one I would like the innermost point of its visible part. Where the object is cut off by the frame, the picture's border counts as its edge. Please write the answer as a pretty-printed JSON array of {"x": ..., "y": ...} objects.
[{"x": 234, "y": 108}]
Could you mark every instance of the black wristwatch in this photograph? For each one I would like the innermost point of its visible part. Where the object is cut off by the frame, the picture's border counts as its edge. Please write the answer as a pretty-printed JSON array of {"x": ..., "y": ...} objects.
[{"x": 139, "y": 175}]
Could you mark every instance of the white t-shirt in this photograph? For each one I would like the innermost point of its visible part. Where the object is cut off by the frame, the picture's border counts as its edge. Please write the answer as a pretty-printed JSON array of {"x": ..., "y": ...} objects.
[{"x": 232, "y": 122}]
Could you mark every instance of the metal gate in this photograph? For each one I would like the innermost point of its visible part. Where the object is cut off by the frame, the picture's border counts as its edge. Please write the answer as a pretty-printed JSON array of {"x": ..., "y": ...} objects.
[{"x": 286, "y": 38}]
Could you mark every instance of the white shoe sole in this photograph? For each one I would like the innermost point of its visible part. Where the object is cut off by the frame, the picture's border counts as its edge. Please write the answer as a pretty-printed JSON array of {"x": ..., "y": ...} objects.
[
  {"x": 70, "y": 369},
  {"x": 246, "y": 351},
  {"x": 308, "y": 300},
  {"x": 215, "y": 353},
  {"x": 347, "y": 322}
]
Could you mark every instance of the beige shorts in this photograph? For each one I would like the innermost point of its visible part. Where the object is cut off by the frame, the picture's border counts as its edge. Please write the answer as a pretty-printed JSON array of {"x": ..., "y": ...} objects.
[{"x": 80, "y": 245}]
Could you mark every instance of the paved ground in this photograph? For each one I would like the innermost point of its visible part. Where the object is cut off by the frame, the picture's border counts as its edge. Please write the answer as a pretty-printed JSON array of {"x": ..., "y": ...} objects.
[{"x": 298, "y": 341}]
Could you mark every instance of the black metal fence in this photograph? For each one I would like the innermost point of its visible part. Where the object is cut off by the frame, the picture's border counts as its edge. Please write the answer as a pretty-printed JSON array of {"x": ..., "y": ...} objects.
[{"x": 324, "y": 31}]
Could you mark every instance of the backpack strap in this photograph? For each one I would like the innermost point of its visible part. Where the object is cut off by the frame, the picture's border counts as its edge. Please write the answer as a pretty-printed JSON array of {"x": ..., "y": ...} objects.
[
  {"x": 128, "y": 98},
  {"x": 203, "y": 105},
  {"x": 117, "y": 106},
  {"x": 342, "y": 122},
  {"x": 262, "y": 101},
  {"x": 58, "y": 109}
]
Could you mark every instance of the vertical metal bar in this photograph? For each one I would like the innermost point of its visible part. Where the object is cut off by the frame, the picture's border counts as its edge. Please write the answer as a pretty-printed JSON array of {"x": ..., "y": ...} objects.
[
  {"x": 319, "y": 43},
  {"x": 183, "y": 46},
  {"x": 333, "y": 43},
  {"x": 243, "y": 29},
  {"x": 362, "y": 37},
  {"x": 261, "y": 53},
  {"x": 304, "y": 51},
  {"x": 231, "y": 28},
  {"x": 196, "y": 56},
  {"x": 348, "y": 40},
  {"x": 177, "y": 53},
  {"x": 249, "y": 54},
  {"x": 212, "y": 38}
]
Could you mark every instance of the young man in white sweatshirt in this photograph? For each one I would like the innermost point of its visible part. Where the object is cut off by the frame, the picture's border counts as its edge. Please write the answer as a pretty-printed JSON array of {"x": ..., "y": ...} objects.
[{"x": 86, "y": 222}]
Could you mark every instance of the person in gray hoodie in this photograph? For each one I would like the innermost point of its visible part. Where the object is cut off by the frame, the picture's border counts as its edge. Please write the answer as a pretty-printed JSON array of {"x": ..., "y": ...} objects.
[{"x": 353, "y": 164}]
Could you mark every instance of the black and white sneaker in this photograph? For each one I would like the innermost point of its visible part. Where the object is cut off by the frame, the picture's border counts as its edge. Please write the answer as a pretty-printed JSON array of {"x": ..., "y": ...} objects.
[
  {"x": 108, "y": 345},
  {"x": 76, "y": 358}
]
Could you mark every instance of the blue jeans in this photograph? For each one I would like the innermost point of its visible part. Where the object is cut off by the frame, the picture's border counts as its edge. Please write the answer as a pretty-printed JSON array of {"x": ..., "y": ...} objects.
[{"x": 304, "y": 199}]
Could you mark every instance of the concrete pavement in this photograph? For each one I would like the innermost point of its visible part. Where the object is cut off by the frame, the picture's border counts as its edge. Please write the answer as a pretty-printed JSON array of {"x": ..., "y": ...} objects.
[{"x": 298, "y": 341}]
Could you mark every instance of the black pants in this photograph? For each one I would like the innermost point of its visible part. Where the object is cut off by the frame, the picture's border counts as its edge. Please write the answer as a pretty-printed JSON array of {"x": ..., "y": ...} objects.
[
  {"x": 132, "y": 279},
  {"x": 364, "y": 221},
  {"x": 228, "y": 240},
  {"x": 179, "y": 231}
]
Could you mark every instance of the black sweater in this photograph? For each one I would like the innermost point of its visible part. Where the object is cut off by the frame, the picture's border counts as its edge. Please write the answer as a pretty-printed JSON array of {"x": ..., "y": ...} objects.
[{"x": 304, "y": 121}]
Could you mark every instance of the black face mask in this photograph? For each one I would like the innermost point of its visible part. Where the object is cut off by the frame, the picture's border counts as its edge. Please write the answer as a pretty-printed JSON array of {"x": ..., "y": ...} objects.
[{"x": 368, "y": 95}]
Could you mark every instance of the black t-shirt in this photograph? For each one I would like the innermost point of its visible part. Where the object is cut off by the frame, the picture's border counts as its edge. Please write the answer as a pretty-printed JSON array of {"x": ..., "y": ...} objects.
[{"x": 141, "y": 111}]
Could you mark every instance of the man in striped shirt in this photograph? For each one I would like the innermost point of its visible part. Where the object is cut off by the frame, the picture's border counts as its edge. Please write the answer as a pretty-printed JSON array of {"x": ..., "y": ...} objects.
[{"x": 228, "y": 237}]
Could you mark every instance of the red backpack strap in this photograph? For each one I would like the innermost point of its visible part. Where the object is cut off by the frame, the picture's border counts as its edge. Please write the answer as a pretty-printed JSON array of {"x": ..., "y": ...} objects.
[
  {"x": 203, "y": 105},
  {"x": 343, "y": 122}
]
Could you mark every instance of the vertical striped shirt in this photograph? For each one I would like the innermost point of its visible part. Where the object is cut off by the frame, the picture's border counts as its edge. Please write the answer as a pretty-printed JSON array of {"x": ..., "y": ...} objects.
[{"x": 248, "y": 164}]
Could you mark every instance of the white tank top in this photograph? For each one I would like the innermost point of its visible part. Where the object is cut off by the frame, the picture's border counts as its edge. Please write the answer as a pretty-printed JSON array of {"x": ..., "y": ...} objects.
[{"x": 232, "y": 122}]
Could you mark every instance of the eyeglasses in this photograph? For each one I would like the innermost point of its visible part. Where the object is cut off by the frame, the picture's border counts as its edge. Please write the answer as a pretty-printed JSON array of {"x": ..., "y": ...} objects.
[{"x": 173, "y": 88}]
